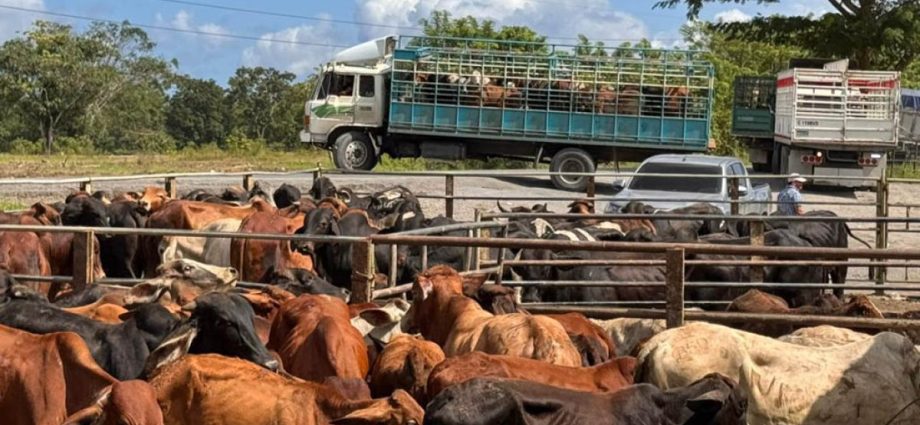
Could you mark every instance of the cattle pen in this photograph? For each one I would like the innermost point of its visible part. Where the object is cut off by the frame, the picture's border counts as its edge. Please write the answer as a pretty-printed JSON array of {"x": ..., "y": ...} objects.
[{"x": 483, "y": 233}]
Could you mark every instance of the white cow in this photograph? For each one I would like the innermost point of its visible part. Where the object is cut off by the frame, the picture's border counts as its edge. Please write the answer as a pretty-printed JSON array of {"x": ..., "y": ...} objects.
[
  {"x": 823, "y": 336},
  {"x": 863, "y": 382},
  {"x": 214, "y": 251}
]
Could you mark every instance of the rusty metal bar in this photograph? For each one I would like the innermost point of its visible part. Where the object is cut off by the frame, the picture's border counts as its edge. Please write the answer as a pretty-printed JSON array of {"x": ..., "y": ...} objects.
[
  {"x": 392, "y": 291},
  {"x": 540, "y": 173},
  {"x": 697, "y": 248},
  {"x": 733, "y": 317},
  {"x": 468, "y": 253},
  {"x": 757, "y": 272},
  {"x": 591, "y": 188},
  {"x": 477, "y": 219},
  {"x": 610, "y": 198},
  {"x": 641, "y": 263},
  {"x": 449, "y": 196},
  {"x": 248, "y": 182},
  {"x": 509, "y": 263},
  {"x": 84, "y": 246},
  {"x": 149, "y": 177},
  {"x": 769, "y": 285},
  {"x": 674, "y": 290},
  {"x": 362, "y": 272},
  {"x": 424, "y": 257},
  {"x": 881, "y": 234},
  {"x": 172, "y": 187},
  {"x": 394, "y": 256},
  {"x": 667, "y": 216},
  {"x": 175, "y": 232}
]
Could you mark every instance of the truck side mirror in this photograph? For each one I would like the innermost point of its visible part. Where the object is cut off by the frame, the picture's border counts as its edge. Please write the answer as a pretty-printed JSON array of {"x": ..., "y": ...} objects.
[
  {"x": 619, "y": 184},
  {"x": 742, "y": 190}
]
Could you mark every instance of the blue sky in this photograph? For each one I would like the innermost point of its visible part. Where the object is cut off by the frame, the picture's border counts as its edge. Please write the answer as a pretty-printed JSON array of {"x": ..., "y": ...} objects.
[{"x": 217, "y": 58}]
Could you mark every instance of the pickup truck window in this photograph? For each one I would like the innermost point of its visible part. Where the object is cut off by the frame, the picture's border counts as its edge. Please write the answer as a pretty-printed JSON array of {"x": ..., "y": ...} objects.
[{"x": 670, "y": 184}]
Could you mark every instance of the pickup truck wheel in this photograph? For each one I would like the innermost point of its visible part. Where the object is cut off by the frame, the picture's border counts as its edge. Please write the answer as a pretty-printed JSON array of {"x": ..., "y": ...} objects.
[
  {"x": 354, "y": 151},
  {"x": 574, "y": 161}
]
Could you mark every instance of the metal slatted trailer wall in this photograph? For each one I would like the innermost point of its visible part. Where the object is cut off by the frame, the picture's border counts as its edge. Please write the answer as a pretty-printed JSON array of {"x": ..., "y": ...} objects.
[{"x": 541, "y": 92}]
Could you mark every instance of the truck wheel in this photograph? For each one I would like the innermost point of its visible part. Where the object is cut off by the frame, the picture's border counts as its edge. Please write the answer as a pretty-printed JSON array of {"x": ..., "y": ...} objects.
[
  {"x": 575, "y": 161},
  {"x": 354, "y": 151}
]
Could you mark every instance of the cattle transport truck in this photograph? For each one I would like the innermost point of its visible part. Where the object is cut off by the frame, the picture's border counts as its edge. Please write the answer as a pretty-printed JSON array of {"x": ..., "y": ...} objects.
[
  {"x": 819, "y": 118},
  {"x": 453, "y": 99}
]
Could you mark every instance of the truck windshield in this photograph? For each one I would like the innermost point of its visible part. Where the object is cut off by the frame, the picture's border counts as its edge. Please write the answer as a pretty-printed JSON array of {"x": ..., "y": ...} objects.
[{"x": 676, "y": 184}]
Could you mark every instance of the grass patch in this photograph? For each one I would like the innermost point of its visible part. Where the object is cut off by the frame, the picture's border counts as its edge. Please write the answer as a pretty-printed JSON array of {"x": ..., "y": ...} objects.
[
  {"x": 11, "y": 205},
  {"x": 909, "y": 170}
]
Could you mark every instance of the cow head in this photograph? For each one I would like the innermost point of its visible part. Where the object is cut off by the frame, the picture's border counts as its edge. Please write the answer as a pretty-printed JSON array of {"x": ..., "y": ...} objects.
[
  {"x": 153, "y": 198},
  {"x": 322, "y": 188},
  {"x": 220, "y": 323},
  {"x": 124, "y": 402},
  {"x": 713, "y": 399},
  {"x": 302, "y": 281},
  {"x": 261, "y": 190},
  {"x": 286, "y": 195},
  {"x": 84, "y": 210},
  {"x": 322, "y": 221},
  {"x": 154, "y": 322},
  {"x": 45, "y": 214},
  {"x": 182, "y": 280},
  {"x": 398, "y": 408}
]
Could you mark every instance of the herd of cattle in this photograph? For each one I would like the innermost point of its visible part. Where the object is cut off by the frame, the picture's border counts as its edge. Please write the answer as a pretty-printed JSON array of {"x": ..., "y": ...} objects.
[{"x": 188, "y": 346}]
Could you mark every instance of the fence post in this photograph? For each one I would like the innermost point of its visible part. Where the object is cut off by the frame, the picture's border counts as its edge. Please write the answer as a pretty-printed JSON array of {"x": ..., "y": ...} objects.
[
  {"x": 248, "y": 182},
  {"x": 172, "y": 188},
  {"x": 674, "y": 289},
  {"x": 591, "y": 188},
  {"x": 477, "y": 250},
  {"x": 756, "y": 240},
  {"x": 449, "y": 196},
  {"x": 394, "y": 258},
  {"x": 84, "y": 244},
  {"x": 733, "y": 194},
  {"x": 363, "y": 271},
  {"x": 86, "y": 186},
  {"x": 881, "y": 228}
]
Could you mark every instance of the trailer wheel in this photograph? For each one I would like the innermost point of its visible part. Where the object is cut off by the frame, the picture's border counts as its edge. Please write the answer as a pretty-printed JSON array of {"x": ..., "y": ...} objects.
[
  {"x": 354, "y": 151},
  {"x": 575, "y": 161}
]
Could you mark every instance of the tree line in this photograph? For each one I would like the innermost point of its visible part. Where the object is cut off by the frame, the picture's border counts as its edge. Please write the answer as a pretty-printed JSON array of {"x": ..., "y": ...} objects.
[{"x": 105, "y": 90}]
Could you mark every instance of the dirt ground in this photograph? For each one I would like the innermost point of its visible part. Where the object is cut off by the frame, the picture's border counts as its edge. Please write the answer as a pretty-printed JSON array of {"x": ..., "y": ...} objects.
[{"x": 513, "y": 190}]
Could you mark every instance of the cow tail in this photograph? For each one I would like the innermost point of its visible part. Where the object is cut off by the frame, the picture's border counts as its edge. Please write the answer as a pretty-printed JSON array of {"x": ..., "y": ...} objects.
[{"x": 850, "y": 232}]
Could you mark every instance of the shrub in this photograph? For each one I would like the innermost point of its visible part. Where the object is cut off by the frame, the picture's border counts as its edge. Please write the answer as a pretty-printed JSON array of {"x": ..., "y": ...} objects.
[{"x": 25, "y": 147}]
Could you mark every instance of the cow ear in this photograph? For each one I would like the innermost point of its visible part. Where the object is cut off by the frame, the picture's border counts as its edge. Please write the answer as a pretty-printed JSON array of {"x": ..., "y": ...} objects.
[
  {"x": 87, "y": 416},
  {"x": 627, "y": 366},
  {"x": 472, "y": 283},
  {"x": 708, "y": 403},
  {"x": 422, "y": 288},
  {"x": 335, "y": 228},
  {"x": 38, "y": 209},
  {"x": 175, "y": 345},
  {"x": 376, "y": 316}
]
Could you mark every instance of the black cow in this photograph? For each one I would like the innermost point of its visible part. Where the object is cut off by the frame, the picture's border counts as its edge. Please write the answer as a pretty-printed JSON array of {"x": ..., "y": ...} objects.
[
  {"x": 119, "y": 253},
  {"x": 396, "y": 209},
  {"x": 220, "y": 323},
  {"x": 714, "y": 399},
  {"x": 120, "y": 349},
  {"x": 333, "y": 259},
  {"x": 353, "y": 200},
  {"x": 301, "y": 281},
  {"x": 261, "y": 190},
  {"x": 322, "y": 188},
  {"x": 89, "y": 295},
  {"x": 675, "y": 229},
  {"x": 81, "y": 209},
  {"x": 286, "y": 195},
  {"x": 202, "y": 195}
]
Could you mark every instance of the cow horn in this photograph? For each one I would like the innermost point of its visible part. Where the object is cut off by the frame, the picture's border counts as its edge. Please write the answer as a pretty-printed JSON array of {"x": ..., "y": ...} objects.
[{"x": 190, "y": 306}]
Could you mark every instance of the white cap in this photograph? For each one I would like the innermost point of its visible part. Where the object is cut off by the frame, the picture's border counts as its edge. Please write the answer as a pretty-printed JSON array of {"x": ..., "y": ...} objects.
[{"x": 795, "y": 177}]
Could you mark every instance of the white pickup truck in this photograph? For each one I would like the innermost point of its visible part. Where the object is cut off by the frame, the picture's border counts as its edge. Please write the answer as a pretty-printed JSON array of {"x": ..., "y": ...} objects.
[{"x": 667, "y": 193}]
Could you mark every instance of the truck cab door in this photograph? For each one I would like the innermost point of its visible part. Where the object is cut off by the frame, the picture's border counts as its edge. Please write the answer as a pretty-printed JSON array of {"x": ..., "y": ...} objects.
[
  {"x": 334, "y": 104},
  {"x": 366, "y": 101}
]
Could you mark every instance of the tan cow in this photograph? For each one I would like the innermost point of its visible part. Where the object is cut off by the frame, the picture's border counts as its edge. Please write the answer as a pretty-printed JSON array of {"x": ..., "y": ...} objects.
[
  {"x": 442, "y": 314},
  {"x": 231, "y": 391},
  {"x": 864, "y": 382}
]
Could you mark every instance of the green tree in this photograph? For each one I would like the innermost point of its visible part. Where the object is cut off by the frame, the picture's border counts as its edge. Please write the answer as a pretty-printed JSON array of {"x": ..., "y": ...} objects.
[
  {"x": 196, "y": 112},
  {"x": 63, "y": 81},
  {"x": 256, "y": 101},
  {"x": 873, "y": 34},
  {"x": 440, "y": 24}
]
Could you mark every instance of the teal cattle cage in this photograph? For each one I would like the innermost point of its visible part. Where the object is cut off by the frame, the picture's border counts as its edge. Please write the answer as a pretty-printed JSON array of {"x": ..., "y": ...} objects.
[{"x": 654, "y": 99}]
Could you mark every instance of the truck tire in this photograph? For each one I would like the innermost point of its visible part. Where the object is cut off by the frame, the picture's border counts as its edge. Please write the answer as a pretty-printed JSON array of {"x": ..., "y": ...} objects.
[
  {"x": 572, "y": 160},
  {"x": 354, "y": 150}
]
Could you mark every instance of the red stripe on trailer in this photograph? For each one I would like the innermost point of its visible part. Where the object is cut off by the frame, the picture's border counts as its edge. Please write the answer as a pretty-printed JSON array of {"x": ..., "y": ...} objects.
[
  {"x": 888, "y": 84},
  {"x": 785, "y": 82}
]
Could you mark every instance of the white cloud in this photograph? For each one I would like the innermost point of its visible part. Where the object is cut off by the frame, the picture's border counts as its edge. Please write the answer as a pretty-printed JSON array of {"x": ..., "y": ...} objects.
[
  {"x": 593, "y": 18},
  {"x": 15, "y": 22},
  {"x": 297, "y": 58},
  {"x": 184, "y": 21},
  {"x": 733, "y": 15}
]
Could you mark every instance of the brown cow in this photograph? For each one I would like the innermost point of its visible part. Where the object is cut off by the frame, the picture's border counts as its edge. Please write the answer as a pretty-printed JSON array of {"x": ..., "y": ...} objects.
[
  {"x": 607, "y": 377},
  {"x": 231, "y": 391},
  {"x": 756, "y": 301},
  {"x": 22, "y": 253},
  {"x": 255, "y": 258},
  {"x": 405, "y": 364},
  {"x": 37, "y": 214},
  {"x": 107, "y": 309},
  {"x": 46, "y": 378},
  {"x": 153, "y": 198},
  {"x": 128, "y": 402},
  {"x": 59, "y": 250},
  {"x": 315, "y": 339},
  {"x": 591, "y": 340},
  {"x": 445, "y": 316}
]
